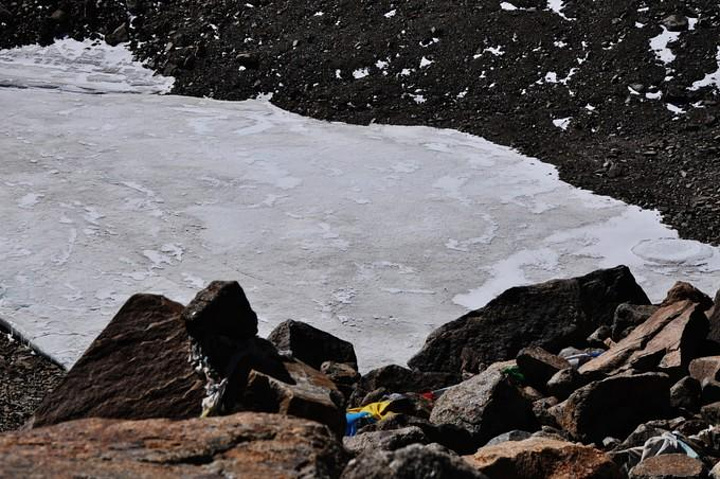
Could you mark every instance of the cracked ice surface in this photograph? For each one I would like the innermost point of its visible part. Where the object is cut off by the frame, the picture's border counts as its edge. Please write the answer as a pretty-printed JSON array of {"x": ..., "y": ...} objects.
[{"x": 376, "y": 234}]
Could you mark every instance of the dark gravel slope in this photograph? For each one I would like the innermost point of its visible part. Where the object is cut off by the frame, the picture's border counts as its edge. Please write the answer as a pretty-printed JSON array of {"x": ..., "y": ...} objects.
[{"x": 475, "y": 66}]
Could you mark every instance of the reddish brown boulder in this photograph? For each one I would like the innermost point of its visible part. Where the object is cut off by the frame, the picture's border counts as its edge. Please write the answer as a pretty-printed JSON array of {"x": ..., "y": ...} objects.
[
  {"x": 669, "y": 466},
  {"x": 137, "y": 368},
  {"x": 543, "y": 457},
  {"x": 247, "y": 445},
  {"x": 682, "y": 291},
  {"x": 551, "y": 315},
  {"x": 667, "y": 341}
]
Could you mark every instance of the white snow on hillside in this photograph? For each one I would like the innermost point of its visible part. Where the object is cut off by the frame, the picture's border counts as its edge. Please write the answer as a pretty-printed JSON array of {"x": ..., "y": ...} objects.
[{"x": 377, "y": 234}]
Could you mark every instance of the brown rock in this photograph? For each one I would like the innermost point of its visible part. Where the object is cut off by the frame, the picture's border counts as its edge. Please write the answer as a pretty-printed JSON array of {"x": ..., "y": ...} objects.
[
  {"x": 538, "y": 365},
  {"x": 707, "y": 372},
  {"x": 551, "y": 315},
  {"x": 311, "y": 345},
  {"x": 564, "y": 382},
  {"x": 248, "y": 445},
  {"x": 542, "y": 457},
  {"x": 307, "y": 394},
  {"x": 669, "y": 466},
  {"x": 137, "y": 368},
  {"x": 386, "y": 440},
  {"x": 628, "y": 316},
  {"x": 682, "y": 291},
  {"x": 614, "y": 406},
  {"x": 397, "y": 379},
  {"x": 343, "y": 375},
  {"x": 714, "y": 318},
  {"x": 667, "y": 341}
]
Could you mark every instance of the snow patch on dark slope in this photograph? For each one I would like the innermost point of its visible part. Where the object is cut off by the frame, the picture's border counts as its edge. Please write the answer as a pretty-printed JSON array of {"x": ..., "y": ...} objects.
[{"x": 620, "y": 95}]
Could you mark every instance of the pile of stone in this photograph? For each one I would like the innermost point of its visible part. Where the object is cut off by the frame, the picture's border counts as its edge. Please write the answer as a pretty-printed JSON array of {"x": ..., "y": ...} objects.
[{"x": 579, "y": 378}]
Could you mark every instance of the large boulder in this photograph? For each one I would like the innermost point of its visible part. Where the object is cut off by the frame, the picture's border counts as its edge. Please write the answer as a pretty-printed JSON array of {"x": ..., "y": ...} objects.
[
  {"x": 551, "y": 315},
  {"x": 413, "y": 461},
  {"x": 247, "y": 445},
  {"x": 485, "y": 405},
  {"x": 614, "y": 406},
  {"x": 397, "y": 379},
  {"x": 667, "y": 341},
  {"x": 311, "y": 345},
  {"x": 136, "y": 368},
  {"x": 543, "y": 457}
]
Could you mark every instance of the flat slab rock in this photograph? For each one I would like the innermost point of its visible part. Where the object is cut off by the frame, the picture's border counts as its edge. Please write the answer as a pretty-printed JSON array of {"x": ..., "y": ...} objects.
[
  {"x": 245, "y": 445},
  {"x": 543, "y": 457},
  {"x": 669, "y": 466},
  {"x": 551, "y": 315}
]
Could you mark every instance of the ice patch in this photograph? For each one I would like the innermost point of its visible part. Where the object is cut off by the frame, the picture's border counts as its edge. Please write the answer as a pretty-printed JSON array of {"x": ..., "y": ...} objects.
[
  {"x": 390, "y": 14},
  {"x": 424, "y": 62},
  {"x": 360, "y": 73},
  {"x": 562, "y": 123},
  {"x": 659, "y": 45},
  {"x": 87, "y": 66},
  {"x": 29, "y": 200},
  {"x": 711, "y": 79},
  {"x": 674, "y": 252},
  {"x": 557, "y": 6},
  {"x": 508, "y": 6}
]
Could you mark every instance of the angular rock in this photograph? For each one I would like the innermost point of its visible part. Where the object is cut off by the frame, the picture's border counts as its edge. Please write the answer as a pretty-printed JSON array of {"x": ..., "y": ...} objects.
[
  {"x": 682, "y": 291},
  {"x": 628, "y": 317},
  {"x": 714, "y": 319},
  {"x": 685, "y": 394},
  {"x": 542, "y": 457},
  {"x": 600, "y": 337},
  {"x": 306, "y": 394},
  {"x": 614, "y": 406},
  {"x": 343, "y": 375},
  {"x": 676, "y": 23},
  {"x": 669, "y": 466},
  {"x": 311, "y": 345},
  {"x": 136, "y": 368},
  {"x": 397, "y": 379},
  {"x": 667, "y": 341},
  {"x": 564, "y": 382},
  {"x": 485, "y": 405},
  {"x": 388, "y": 440},
  {"x": 706, "y": 371},
  {"x": 551, "y": 315},
  {"x": 217, "y": 318},
  {"x": 414, "y": 461},
  {"x": 246, "y": 445},
  {"x": 711, "y": 412},
  {"x": 538, "y": 365},
  {"x": 541, "y": 409},
  {"x": 119, "y": 35}
]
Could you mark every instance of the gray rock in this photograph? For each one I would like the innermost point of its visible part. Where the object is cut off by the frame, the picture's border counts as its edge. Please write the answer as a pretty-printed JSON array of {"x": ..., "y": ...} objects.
[
  {"x": 564, "y": 383},
  {"x": 685, "y": 394},
  {"x": 514, "y": 435},
  {"x": 628, "y": 316},
  {"x": 397, "y": 379},
  {"x": 389, "y": 440},
  {"x": 485, "y": 405},
  {"x": 414, "y": 461},
  {"x": 119, "y": 35}
]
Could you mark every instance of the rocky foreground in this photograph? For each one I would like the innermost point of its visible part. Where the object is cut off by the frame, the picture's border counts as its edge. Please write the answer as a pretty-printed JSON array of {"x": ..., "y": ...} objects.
[
  {"x": 579, "y": 378},
  {"x": 622, "y": 96}
]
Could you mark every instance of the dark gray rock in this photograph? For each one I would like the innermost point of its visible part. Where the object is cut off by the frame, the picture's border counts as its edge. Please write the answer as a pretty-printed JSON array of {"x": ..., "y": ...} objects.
[
  {"x": 614, "y": 406},
  {"x": 564, "y": 383},
  {"x": 551, "y": 315},
  {"x": 538, "y": 365},
  {"x": 685, "y": 394},
  {"x": 343, "y": 375},
  {"x": 119, "y": 35},
  {"x": 414, "y": 461},
  {"x": 676, "y": 23},
  {"x": 450, "y": 436},
  {"x": 311, "y": 345},
  {"x": 485, "y": 405}
]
